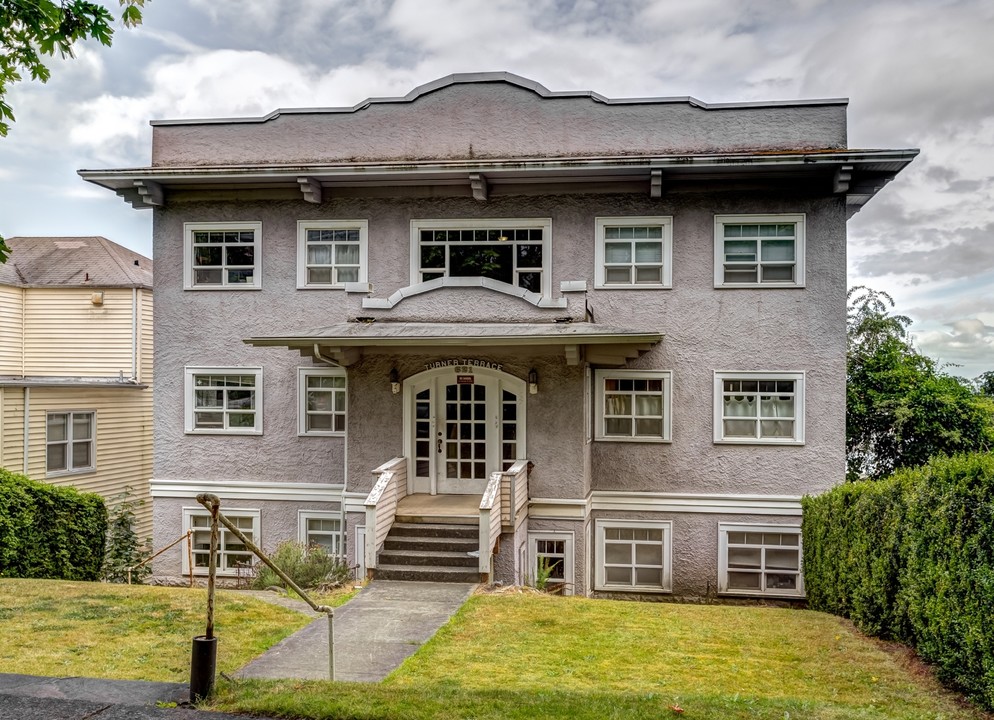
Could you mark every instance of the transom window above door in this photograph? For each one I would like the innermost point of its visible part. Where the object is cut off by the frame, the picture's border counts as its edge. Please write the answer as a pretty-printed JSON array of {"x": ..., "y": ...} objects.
[{"x": 515, "y": 252}]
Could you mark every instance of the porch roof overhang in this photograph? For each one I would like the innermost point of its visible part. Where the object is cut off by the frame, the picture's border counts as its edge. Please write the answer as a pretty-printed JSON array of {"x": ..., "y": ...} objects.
[
  {"x": 344, "y": 343},
  {"x": 855, "y": 174}
]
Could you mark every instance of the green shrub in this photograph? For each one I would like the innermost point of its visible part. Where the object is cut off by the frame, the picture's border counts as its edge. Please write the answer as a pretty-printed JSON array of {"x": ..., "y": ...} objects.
[
  {"x": 123, "y": 548},
  {"x": 911, "y": 557},
  {"x": 308, "y": 567},
  {"x": 48, "y": 531}
]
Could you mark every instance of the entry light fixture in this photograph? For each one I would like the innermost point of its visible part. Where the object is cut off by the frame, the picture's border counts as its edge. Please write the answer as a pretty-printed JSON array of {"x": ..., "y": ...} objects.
[
  {"x": 533, "y": 382},
  {"x": 394, "y": 381}
]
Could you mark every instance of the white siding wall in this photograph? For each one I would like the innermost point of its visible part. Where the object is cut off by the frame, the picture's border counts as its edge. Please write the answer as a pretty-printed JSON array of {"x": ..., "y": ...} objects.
[{"x": 11, "y": 341}]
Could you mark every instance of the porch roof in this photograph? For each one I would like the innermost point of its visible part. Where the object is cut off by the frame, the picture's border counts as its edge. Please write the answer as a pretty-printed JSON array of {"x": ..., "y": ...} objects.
[{"x": 344, "y": 343}]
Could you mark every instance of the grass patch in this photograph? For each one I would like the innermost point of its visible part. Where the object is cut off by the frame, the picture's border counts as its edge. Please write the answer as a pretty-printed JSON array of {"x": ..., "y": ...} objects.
[
  {"x": 128, "y": 632},
  {"x": 525, "y": 656}
]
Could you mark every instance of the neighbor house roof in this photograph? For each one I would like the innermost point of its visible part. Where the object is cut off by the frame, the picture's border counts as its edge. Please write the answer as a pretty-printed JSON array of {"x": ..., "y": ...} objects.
[{"x": 74, "y": 262}]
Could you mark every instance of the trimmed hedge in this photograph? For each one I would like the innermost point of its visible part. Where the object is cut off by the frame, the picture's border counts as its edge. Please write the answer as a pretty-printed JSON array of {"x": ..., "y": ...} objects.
[
  {"x": 911, "y": 557},
  {"x": 48, "y": 531}
]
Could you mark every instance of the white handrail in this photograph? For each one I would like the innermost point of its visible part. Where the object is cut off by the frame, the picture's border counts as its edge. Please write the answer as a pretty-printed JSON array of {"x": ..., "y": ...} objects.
[
  {"x": 490, "y": 520},
  {"x": 381, "y": 505}
]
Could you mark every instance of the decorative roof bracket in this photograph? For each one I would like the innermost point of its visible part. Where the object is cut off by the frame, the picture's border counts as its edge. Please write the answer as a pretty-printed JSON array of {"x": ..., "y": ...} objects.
[
  {"x": 843, "y": 176},
  {"x": 656, "y": 184},
  {"x": 311, "y": 188},
  {"x": 478, "y": 182},
  {"x": 150, "y": 192}
]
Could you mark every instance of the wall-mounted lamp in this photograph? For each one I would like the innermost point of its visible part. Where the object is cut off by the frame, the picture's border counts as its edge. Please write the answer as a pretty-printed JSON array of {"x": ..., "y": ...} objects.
[
  {"x": 97, "y": 298},
  {"x": 394, "y": 381},
  {"x": 533, "y": 382}
]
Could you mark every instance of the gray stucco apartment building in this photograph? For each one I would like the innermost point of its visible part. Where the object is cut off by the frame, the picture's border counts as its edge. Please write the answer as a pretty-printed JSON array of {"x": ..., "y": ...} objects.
[{"x": 491, "y": 331}]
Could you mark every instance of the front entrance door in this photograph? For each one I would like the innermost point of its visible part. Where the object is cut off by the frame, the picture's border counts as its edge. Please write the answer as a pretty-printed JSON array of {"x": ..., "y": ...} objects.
[{"x": 464, "y": 427}]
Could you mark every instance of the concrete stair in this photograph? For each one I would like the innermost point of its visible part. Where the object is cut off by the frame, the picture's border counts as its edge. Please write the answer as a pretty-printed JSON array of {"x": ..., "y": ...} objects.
[{"x": 435, "y": 549}]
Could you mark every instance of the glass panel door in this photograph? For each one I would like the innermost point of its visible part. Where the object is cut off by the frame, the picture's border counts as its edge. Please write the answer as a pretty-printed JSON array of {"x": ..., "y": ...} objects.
[{"x": 464, "y": 439}]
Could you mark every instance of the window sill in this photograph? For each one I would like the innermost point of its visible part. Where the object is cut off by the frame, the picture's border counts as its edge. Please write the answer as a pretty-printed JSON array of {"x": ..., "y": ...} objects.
[
  {"x": 756, "y": 441},
  {"x": 631, "y": 589},
  {"x": 222, "y": 287},
  {"x": 633, "y": 287},
  {"x": 749, "y": 593},
  {"x": 339, "y": 288},
  {"x": 66, "y": 473},
  {"x": 195, "y": 431},
  {"x": 760, "y": 286},
  {"x": 340, "y": 434},
  {"x": 654, "y": 440}
]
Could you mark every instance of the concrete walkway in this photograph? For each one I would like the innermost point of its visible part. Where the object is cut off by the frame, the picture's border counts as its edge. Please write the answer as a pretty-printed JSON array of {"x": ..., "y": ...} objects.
[{"x": 374, "y": 633}]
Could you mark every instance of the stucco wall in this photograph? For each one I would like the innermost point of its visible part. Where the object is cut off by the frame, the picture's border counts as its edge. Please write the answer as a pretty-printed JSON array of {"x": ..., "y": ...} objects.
[
  {"x": 705, "y": 330},
  {"x": 499, "y": 120}
]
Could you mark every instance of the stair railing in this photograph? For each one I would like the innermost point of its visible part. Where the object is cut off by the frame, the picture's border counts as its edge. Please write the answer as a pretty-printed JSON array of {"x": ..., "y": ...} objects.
[
  {"x": 389, "y": 487},
  {"x": 490, "y": 523}
]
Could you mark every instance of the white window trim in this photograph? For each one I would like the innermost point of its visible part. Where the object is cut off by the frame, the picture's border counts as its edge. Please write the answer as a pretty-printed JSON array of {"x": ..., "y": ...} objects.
[
  {"x": 599, "y": 552},
  {"x": 799, "y": 248},
  {"x": 304, "y": 515},
  {"x": 69, "y": 443},
  {"x": 189, "y": 393},
  {"x": 302, "y": 375},
  {"x": 191, "y": 227},
  {"x": 480, "y": 223},
  {"x": 304, "y": 225},
  {"x": 189, "y": 512},
  {"x": 721, "y": 375},
  {"x": 665, "y": 375},
  {"x": 666, "y": 276},
  {"x": 725, "y": 528},
  {"x": 568, "y": 563}
]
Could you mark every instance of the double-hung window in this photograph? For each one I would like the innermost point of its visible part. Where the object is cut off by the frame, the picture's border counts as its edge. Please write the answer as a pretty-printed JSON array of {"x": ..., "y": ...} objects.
[
  {"x": 633, "y": 252},
  {"x": 759, "y": 251},
  {"x": 224, "y": 400},
  {"x": 69, "y": 442},
  {"x": 515, "y": 252},
  {"x": 320, "y": 528},
  {"x": 759, "y": 407},
  {"x": 232, "y": 553},
  {"x": 323, "y": 398},
  {"x": 222, "y": 255},
  {"x": 634, "y": 555},
  {"x": 759, "y": 560},
  {"x": 331, "y": 253},
  {"x": 632, "y": 405}
]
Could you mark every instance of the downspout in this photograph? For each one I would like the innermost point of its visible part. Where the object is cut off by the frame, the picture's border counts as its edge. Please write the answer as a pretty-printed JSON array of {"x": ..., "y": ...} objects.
[
  {"x": 27, "y": 425},
  {"x": 134, "y": 334}
]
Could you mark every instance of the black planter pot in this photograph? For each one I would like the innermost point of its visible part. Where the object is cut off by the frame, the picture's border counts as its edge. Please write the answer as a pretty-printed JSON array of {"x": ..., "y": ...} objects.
[{"x": 203, "y": 664}]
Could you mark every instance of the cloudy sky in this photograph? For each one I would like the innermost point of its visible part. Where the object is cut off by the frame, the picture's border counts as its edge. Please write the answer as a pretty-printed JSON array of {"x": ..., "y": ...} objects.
[{"x": 919, "y": 73}]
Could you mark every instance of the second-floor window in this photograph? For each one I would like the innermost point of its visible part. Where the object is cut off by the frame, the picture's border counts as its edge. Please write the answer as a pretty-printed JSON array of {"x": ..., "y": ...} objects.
[
  {"x": 222, "y": 256},
  {"x": 633, "y": 252},
  {"x": 759, "y": 251},
  {"x": 516, "y": 252},
  {"x": 331, "y": 253}
]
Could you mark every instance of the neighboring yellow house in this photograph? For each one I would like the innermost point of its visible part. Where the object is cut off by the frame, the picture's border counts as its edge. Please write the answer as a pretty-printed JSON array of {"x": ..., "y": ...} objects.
[{"x": 76, "y": 358}]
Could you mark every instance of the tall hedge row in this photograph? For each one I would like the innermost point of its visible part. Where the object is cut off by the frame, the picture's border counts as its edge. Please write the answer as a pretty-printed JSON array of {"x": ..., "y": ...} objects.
[
  {"x": 911, "y": 557},
  {"x": 48, "y": 531}
]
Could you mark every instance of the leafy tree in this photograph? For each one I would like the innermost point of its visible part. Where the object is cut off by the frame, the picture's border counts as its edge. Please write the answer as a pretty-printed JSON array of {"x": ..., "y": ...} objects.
[
  {"x": 985, "y": 383},
  {"x": 31, "y": 29},
  {"x": 901, "y": 409}
]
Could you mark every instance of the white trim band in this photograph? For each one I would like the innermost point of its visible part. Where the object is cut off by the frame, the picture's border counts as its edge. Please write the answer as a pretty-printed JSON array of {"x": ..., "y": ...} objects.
[{"x": 236, "y": 490}]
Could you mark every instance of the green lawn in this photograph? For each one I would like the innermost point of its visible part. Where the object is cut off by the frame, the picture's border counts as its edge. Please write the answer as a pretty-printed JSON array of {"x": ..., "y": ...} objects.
[
  {"x": 526, "y": 656},
  {"x": 128, "y": 632}
]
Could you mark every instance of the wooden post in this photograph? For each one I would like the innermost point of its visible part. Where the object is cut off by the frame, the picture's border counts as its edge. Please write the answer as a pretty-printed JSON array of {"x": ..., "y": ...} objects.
[{"x": 215, "y": 505}]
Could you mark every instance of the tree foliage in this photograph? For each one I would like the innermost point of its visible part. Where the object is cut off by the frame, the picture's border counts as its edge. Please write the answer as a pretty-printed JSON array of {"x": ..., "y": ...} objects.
[
  {"x": 901, "y": 409},
  {"x": 32, "y": 29}
]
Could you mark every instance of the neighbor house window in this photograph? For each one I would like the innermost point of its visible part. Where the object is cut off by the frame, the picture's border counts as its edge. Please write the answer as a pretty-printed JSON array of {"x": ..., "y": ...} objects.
[
  {"x": 759, "y": 560},
  {"x": 331, "y": 253},
  {"x": 551, "y": 561},
  {"x": 632, "y": 405},
  {"x": 232, "y": 556},
  {"x": 633, "y": 252},
  {"x": 759, "y": 251},
  {"x": 516, "y": 252},
  {"x": 222, "y": 255},
  {"x": 754, "y": 407},
  {"x": 69, "y": 442},
  {"x": 321, "y": 529},
  {"x": 224, "y": 400},
  {"x": 633, "y": 555},
  {"x": 322, "y": 393}
]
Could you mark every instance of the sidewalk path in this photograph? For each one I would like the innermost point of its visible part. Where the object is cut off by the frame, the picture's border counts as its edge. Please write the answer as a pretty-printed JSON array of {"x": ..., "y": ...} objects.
[
  {"x": 374, "y": 633},
  {"x": 29, "y": 697}
]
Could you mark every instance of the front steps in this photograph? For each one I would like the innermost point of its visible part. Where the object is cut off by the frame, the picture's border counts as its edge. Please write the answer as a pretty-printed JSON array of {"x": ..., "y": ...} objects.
[{"x": 431, "y": 549}]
